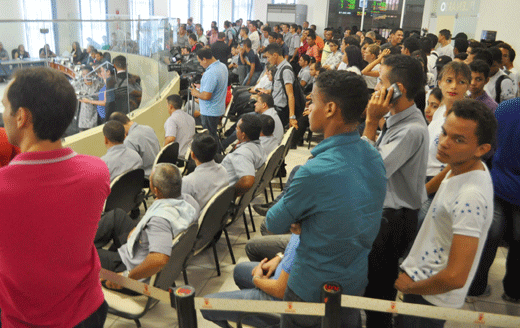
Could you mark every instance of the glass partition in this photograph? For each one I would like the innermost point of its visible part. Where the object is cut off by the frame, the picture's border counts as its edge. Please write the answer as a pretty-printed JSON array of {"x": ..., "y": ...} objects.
[{"x": 114, "y": 63}]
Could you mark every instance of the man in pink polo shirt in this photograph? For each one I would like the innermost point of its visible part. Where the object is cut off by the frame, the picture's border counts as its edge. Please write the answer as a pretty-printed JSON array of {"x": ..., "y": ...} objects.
[{"x": 51, "y": 202}]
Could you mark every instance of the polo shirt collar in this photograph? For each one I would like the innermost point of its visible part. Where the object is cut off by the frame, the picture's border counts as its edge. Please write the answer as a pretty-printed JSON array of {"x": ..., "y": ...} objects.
[
  {"x": 133, "y": 126},
  {"x": 43, "y": 157},
  {"x": 337, "y": 140},
  {"x": 206, "y": 165},
  {"x": 394, "y": 119},
  {"x": 249, "y": 142},
  {"x": 215, "y": 63}
]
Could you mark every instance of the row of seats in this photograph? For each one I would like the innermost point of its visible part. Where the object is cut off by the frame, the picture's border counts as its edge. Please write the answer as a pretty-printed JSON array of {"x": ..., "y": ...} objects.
[{"x": 221, "y": 211}]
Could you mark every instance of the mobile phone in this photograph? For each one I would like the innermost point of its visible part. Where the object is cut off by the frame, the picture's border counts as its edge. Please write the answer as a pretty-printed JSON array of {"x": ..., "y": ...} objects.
[{"x": 396, "y": 94}]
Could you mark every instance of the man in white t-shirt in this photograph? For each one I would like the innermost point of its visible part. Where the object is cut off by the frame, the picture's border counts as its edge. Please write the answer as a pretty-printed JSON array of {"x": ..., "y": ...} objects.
[
  {"x": 180, "y": 126},
  {"x": 444, "y": 257},
  {"x": 446, "y": 49}
]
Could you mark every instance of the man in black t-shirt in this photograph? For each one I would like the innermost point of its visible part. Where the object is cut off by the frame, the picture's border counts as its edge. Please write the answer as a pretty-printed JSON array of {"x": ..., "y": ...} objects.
[{"x": 249, "y": 58}]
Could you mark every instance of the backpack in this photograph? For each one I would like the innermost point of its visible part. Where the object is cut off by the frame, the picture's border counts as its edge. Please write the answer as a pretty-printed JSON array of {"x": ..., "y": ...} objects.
[
  {"x": 299, "y": 95},
  {"x": 498, "y": 87}
]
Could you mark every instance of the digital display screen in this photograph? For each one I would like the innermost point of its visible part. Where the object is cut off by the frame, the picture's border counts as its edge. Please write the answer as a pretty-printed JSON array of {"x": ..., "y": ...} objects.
[{"x": 347, "y": 5}]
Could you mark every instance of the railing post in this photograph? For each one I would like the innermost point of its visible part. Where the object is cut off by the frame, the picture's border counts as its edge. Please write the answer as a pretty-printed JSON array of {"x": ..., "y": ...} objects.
[
  {"x": 331, "y": 296},
  {"x": 183, "y": 299}
]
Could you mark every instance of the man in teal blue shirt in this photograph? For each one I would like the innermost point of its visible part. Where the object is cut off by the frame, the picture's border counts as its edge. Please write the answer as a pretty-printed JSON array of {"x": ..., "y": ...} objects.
[{"x": 336, "y": 199}]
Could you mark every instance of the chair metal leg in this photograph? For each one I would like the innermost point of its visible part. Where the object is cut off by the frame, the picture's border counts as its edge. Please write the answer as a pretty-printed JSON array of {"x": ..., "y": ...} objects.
[
  {"x": 229, "y": 247},
  {"x": 271, "y": 187},
  {"x": 252, "y": 221},
  {"x": 215, "y": 256},
  {"x": 137, "y": 323},
  {"x": 144, "y": 204},
  {"x": 185, "y": 275},
  {"x": 245, "y": 224},
  {"x": 266, "y": 195},
  {"x": 281, "y": 183}
]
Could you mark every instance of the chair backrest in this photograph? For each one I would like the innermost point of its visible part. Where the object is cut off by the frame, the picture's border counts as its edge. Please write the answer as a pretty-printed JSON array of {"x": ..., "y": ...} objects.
[
  {"x": 212, "y": 217},
  {"x": 286, "y": 142},
  {"x": 125, "y": 191},
  {"x": 226, "y": 114},
  {"x": 182, "y": 246},
  {"x": 168, "y": 154},
  {"x": 246, "y": 198},
  {"x": 273, "y": 162}
]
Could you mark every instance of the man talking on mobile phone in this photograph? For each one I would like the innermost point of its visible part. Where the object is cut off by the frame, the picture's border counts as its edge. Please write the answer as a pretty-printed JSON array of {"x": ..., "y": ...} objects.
[{"x": 403, "y": 145}]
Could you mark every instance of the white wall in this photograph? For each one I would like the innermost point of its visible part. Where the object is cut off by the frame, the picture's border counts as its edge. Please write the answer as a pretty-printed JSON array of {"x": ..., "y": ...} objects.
[
  {"x": 260, "y": 10},
  {"x": 317, "y": 13},
  {"x": 501, "y": 16},
  {"x": 11, "y": 33}
]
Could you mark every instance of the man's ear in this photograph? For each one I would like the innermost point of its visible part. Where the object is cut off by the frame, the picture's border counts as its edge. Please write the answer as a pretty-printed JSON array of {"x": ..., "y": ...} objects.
[
  {"x": 23, "y": 117},
  {"x": 332, "y": 109},
  {"x": 482, "y": 150}
]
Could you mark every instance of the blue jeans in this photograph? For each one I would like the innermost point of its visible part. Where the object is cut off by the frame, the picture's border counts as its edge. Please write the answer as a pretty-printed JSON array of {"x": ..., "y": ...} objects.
[
  {"x": 248, "y": 291},
  {"x": 211, "y": 123},
  {"x": 350, "y": 318},
  {"x": 255, "y": 77}
]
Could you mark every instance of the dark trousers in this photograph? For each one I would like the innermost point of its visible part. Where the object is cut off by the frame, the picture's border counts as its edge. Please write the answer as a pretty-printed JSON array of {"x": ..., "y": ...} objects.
[
  {"x": 96, "y": 319},
  {"x": 506, "y": 224},
  {"x": 408, "y": 321},
  {"x": 350, "y": 318},
  {"x": 114, "y": 226},
  {"x": 398, "y": 229},
  {"x": 211, "y": 123}
]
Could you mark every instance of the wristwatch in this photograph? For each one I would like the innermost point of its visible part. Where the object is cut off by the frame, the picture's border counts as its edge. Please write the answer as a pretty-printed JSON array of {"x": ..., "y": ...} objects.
[
  {"x": 126, "y": 273},
  {"x": 280, "y": 254},
  {"x": 292, "y": 117}
]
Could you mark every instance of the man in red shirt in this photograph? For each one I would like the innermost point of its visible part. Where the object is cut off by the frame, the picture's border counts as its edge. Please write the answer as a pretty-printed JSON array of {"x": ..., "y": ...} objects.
[
  {"x": 313, "y": 50},
  {"x": 7, "y": 151},
  {"x": 51, "y": 202}
]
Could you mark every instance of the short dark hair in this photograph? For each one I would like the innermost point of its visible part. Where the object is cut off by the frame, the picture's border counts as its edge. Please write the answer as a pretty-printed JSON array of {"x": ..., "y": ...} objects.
[
  {"x": 267, "y": 99},
  {"x": 346, "y": 89},
  {"x": 273, "y": 48},
  {"x": 496, "y": 54},
  {"x": 120, "y": 117},
  {"x": 456, "y": 68},
  {"x": 279, "y": 36},
  {"x": 267, "y": 29},
  {"x": 204, "y": 146},
  {"x": 461, "y": 55},
  {"x": 50, "y": 98},
  {"x": 267, "y": 124},
  {"x": 433, "y": 38},
  {"x": 174, "y": 100},
  {"x": 426, "y": 45},
  {"x": 221, "y": 35},
  {"x": 114, "y": 131},
  {"x": 274, "y": 35},
  {"x": 247, "y": 43},
  {"x": 193, "y": 36},
  {"x": 251, "y": 126},
  {"x": 243, "y": 28},
  {"x": 512, "y": 53},
  {"x": 294, "y": 26},
  {"x": 120, "y": 62},
  {"x": 227, "y": 24},
  {"x": 437, "y": 93},
  {"x": 482, "y": 54},
  {"x": 480, "y": 66},
  {"x": 461, "y": 45},
  {"x": 311, "y": 33},
  {"x": 411, "y": 44},
  {"x": 445, "y": 33},
  {"x": 475, "y": 44},
  {"x": 394, "y": 30},
  {"x": 406, "y": 70},
  {"x": 351, "y": 41},
  {"x": 306, "y": 58},
  {"x": 205, "y": 53},
  {"x": 477, "y": 111}
]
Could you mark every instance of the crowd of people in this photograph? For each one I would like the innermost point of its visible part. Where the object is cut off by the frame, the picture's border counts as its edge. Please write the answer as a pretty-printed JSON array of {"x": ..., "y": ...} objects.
[{"x": 418, "y": 163}]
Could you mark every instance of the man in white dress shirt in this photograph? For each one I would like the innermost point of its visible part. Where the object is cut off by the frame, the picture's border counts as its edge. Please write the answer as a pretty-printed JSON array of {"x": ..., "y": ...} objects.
[{"x": 180, "y": 126}]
